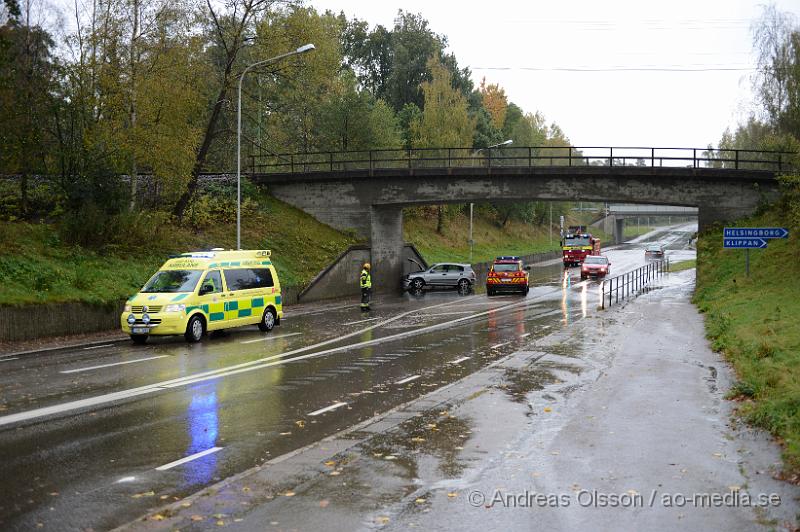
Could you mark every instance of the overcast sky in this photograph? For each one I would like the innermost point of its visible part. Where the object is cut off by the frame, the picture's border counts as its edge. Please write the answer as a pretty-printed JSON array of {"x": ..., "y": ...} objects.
[{"x": 520, "y": 44}]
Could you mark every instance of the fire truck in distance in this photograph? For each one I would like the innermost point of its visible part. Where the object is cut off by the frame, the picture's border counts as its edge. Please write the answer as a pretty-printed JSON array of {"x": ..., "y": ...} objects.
[{"x": 577, "y": 244}]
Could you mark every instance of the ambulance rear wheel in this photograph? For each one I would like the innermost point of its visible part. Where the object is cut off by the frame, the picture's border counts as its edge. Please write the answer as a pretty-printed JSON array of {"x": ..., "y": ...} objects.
[
  {"x": 195, "y": 329},
  {"x": 268, "y": 320},
  {"x": 139, "y": 339}
]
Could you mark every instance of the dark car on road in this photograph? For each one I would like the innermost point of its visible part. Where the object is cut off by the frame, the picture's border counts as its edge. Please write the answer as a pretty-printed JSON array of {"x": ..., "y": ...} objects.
[
  {"x": 441, "y": 276},
  {"x": 595, "y": 266},
  {"x": 654, "y": 251}
]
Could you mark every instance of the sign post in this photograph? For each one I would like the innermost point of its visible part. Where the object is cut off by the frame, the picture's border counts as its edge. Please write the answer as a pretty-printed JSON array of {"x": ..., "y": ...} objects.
[{"x": 748, "y": 238}]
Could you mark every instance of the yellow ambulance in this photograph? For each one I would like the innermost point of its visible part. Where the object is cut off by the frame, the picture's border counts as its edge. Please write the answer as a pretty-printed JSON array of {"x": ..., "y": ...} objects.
[{"x": 203, "y": 291}]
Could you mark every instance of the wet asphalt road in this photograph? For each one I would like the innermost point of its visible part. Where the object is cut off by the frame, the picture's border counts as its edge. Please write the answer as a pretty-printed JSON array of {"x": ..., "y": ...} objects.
[{"x": 89, "y": 437}]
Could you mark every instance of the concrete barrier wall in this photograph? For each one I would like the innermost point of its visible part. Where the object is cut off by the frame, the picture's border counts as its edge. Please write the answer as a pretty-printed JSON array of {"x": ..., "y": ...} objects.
[
  {"x": 482, "y": 268},
  {"x": 29, "y": 322},
  {"x": 56, "y": 319}
]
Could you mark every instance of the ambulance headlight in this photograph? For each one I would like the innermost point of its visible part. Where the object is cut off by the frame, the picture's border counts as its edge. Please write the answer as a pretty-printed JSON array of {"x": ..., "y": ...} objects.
[
  {"x": 175, "y": 308},
  {"x": 131, "y": 319},
  {"x": 146, "y": 318},
  {"x": 127, "y": 307}
]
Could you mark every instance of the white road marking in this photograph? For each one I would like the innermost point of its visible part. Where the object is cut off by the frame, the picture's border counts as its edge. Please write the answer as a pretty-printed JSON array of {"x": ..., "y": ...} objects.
[
  {"x": 7, "y": 359},
  {"x": 525, "y": 335},
  {"x": 97, "y": 346},
  {"x": 498, "y": 346},
  {"x": 360, "y": 321},
  {"x": 189, "y": 458},
  {"x": 262, "y": 363},
  {"x": 90, "y": 368},
  {"x": 451, "y": 313},
  {"x": 408, "y": 379},
  {"x": 126, "y": 479},
  {"x": 459, "y": 360},
  {"x": 268, "y": 338},
  {"x": 334, "y": 406}
]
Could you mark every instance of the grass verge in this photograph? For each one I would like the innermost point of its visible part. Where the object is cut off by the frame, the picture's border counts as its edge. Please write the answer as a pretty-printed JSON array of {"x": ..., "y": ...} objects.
[
  {"x": 754, "y": 322},
  {"x": 682, "y": 265}
]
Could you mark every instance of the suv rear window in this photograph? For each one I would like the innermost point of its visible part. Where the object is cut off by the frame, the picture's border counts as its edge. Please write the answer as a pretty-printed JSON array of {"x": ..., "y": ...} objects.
[{"x": 248, "y": 278}]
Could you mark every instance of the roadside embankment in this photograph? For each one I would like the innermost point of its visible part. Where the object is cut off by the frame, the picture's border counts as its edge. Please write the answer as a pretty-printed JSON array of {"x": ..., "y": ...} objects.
[{"x": 753, "y": 320}]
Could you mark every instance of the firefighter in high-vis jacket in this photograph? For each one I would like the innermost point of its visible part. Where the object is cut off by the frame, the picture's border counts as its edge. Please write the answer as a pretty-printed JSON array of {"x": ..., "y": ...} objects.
[{"x": 366, "y": 286}]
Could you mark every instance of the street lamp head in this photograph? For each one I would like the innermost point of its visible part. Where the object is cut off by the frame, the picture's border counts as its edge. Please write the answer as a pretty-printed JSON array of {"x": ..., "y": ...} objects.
[
  {"x": 305, "y": 48},
  {"x": 506, "y": 142}
]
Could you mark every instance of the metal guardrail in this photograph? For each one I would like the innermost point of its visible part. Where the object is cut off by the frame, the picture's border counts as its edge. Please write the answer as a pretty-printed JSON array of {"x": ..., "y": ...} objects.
[
  {"x": 509, "y": 157},
  {"x": 623, "y": 286}
]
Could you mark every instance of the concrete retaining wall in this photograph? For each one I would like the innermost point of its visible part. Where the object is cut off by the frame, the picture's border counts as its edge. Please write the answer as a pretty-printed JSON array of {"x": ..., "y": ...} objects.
[{"x": 340, "y": 279}]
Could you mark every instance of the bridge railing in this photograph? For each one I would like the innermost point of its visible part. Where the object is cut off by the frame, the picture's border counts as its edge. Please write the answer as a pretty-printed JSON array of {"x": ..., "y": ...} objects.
[{"x": 531, "y": 156}]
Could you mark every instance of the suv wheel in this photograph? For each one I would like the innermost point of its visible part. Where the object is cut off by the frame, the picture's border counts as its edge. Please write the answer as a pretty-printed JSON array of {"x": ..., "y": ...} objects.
[
  {"x": 268, "y": 320},
  {"x": 195, "y": 329},
  {"x": 463, "y": 286},
  {"x": 418, "y": 283},
  {"x": 139, "y": 339}
]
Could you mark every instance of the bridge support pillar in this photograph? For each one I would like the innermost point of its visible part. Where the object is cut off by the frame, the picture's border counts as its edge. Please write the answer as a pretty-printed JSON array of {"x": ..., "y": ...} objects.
[
  {"x": 386, "y": 236},
  {"x": 619, "y": 230}
]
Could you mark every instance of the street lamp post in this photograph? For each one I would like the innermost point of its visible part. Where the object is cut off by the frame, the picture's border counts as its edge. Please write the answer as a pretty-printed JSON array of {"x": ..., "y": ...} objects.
[
  {"x": 471, "y": 241},
  {"x": 303, "y": 49}
]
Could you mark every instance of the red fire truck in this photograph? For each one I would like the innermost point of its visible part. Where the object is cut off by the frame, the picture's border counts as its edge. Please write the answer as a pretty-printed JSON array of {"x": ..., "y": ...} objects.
[{"x": 576, "y": 246}]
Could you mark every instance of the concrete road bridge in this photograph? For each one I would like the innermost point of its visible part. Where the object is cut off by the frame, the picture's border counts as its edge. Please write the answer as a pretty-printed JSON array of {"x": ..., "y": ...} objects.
[
  {"x": 612, "y": 220},
  {"x": 367, "y": 190}
]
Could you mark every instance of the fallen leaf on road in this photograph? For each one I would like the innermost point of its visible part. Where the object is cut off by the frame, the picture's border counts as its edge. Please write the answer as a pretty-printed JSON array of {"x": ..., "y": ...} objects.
[
  {"x": 734, "y": 488},
  {"x": 285, "y": 433},
  {"x": 300, "y": 423},
  {"x": 145, "y": 494},
  {"x": 382, "y": 519},
  {"x": 220, "y": 523},
  {"x": 417, "y": 439},
  {"x": 633, "y": 493},
  {"x": 548, "y": 409},
  {"x": 196, "y": 518},
  {"x": 555, "y": 453},
  {"x": 164, "y": 497},
  {"x": 717, "y": 455},
  {"x": 330, "y": 463},
  {"x": 324, "y": 503},
  {"x": 452, "y": 494},
  {"x": 245, "y": 489},
  {"x": 289, "y": 494},
  {"x": 335, "y": 473},
  {"x": 390, "y": 457},
  {"x": 186, "y": 504},
  {"x": 157, "y": 517}
]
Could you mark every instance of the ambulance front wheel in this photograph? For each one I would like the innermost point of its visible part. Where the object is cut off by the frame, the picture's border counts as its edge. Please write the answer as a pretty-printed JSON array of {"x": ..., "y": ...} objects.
[
  {"x": 195, "y": 329},
  {"x": 139, "y": 339},
  {"x": 268, "y": 320}
]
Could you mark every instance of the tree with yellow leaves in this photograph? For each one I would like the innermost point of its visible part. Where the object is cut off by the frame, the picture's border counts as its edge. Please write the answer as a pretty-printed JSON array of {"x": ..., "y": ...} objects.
[{"x": 495, "y": 102}]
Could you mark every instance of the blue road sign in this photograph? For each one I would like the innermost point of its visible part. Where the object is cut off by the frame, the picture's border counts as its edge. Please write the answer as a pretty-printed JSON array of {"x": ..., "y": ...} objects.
[
  {"x": 744, "y": 243},
  {"x": 755, "y": 232}
]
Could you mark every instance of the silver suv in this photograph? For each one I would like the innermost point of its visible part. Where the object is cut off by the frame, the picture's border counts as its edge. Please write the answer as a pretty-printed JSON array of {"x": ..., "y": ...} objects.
[{"x": 441, "y": 275}]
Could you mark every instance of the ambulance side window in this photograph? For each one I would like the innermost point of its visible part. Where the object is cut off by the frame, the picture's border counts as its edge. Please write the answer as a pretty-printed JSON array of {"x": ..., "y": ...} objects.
[
  {"x": 249, "y": 278},
  {"x": 214, "y": 280}
]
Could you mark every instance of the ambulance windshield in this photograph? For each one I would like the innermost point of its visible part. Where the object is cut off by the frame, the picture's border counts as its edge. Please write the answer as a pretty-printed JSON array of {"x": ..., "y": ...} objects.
[{"x": 167, "y": 281}]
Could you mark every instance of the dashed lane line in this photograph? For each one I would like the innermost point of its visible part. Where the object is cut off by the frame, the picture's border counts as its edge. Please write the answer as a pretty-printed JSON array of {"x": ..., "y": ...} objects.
[
  {"x": 189, "y": 458},
  {"x": 90, "y": 368},
  {"x": 334, "y": 406},
  {"x": 268, "y": 338},
  {"x": 408, "y": 379}
]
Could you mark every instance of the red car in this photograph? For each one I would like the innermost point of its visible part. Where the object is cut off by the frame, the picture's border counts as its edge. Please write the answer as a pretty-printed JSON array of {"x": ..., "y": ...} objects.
[{"x": 595, "y": 266}]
